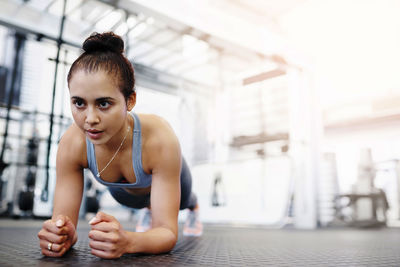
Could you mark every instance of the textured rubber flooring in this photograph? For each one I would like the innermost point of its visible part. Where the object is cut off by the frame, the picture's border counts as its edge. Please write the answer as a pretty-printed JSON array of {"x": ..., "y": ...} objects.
[{"x": 225, "y": 246}]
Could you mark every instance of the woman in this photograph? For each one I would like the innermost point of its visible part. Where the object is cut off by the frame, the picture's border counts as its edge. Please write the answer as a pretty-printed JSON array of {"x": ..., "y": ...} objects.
[{"x": 137, "y": 156}]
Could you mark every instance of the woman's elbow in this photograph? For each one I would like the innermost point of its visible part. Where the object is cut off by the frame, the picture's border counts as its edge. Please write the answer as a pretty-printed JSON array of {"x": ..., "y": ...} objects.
[{"x": 171, "y": 242}]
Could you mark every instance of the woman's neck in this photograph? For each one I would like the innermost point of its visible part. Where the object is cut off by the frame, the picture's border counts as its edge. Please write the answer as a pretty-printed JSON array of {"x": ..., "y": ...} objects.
[{"x": 121, "y": 138}]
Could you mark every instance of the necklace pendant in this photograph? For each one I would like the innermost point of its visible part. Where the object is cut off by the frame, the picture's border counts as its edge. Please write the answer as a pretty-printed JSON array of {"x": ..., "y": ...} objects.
[{"x": 116, "y": 152}]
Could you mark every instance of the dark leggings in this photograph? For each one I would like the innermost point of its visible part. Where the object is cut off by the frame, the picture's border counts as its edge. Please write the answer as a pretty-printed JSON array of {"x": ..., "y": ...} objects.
[{"x": 188, "y": 199}]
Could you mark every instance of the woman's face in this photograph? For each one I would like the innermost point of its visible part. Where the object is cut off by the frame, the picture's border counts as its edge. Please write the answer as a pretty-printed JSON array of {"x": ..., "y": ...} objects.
[{"x": 98, "y": 106}]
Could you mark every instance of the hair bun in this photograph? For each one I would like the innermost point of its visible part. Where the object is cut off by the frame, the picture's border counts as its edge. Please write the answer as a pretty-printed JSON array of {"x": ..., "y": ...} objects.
[{"x": 107, "y": 41}]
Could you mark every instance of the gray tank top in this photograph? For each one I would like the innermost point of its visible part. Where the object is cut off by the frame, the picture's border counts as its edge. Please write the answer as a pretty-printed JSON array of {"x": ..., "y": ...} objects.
[{"x": 142, "y": 179}]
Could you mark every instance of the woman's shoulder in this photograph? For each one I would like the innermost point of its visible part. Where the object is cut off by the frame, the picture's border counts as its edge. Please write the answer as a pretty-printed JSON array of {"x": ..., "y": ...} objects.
[
  {"x": 73, "y": 135},
  {"x": 160, "y": 146},
  {"x": 151, "y": 119},
  {"x": 157, "y": 133},
  {"x": 155, "y": 127},
  {"x": 72, "y": 145}
]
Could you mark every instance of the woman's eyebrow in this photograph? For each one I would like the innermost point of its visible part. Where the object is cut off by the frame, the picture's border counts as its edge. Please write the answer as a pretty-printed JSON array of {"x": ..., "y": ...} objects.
[{"x": 100, "y": 99}]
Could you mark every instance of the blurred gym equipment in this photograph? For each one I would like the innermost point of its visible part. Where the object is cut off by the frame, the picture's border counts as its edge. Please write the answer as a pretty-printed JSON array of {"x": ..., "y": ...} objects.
[
  {"x": 366, "y": 205},
  {"x": 26, "y": 195},
  {"x": 218, "y": 196}
]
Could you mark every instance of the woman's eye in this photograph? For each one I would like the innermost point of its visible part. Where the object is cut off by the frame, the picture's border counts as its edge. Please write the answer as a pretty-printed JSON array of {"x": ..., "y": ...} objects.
[
  {"x": 104, "y": 105},
  {"x": 79, "y": 103}
]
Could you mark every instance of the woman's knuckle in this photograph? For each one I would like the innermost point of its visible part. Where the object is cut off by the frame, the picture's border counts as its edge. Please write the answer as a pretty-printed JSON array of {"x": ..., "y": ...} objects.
[
  {"x": 113, "y": 238},
  {"x": 90, "y": 235},
  {"x": 60, "y": 247},
  {"x": 113, "y": 227},
  {"x": 112, "y": 247}
]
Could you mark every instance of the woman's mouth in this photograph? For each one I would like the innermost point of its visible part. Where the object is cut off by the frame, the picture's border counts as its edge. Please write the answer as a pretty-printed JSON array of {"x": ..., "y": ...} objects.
[{"x": 94, "y": 134}]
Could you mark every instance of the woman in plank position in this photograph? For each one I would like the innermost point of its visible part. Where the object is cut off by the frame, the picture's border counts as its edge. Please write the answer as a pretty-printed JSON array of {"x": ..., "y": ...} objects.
[{"x": 137, "y": 156}]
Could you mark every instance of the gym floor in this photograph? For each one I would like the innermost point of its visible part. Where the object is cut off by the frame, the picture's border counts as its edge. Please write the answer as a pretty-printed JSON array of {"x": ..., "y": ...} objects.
[{"x": 220, "y": 246}]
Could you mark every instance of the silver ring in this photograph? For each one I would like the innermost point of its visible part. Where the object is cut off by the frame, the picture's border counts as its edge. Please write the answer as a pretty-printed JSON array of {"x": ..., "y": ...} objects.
[{"x": 49, "y": 246}]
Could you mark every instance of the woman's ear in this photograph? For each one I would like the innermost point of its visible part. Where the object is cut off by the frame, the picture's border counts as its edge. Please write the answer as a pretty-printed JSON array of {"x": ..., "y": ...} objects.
[{"x": 131, "y": 101}]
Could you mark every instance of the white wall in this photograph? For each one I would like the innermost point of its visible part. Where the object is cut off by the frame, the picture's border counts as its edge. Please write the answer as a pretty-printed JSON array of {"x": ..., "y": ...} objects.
[
  {"x": 256, "y": 191},
  {"x": 353, "y": 46}
]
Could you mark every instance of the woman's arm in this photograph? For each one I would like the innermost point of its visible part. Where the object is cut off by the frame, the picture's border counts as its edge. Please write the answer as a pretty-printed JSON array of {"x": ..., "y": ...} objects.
[
  {"x": 164, "y": 158},
  {"x": 165, "y": 197},
  {"x": 60, "y": 231},
  {"x": 69, "y": 185}
]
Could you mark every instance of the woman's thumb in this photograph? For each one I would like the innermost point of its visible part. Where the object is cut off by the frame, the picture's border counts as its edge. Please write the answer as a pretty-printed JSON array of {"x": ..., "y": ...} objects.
[{"x": 60, "y": 221}]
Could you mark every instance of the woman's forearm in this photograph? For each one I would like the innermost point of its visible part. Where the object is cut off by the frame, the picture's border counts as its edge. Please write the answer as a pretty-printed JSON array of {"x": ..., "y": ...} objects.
[{"x": 155, "y": 241}]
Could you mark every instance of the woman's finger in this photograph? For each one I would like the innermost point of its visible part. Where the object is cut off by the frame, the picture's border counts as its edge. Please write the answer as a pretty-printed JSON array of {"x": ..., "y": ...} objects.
[
  {"x": 51, "y": 226},
  {"x": 49, "y": 253},
  {"x": 103, "y": 254},
  {"x": 99, "y": 236},
  {"x": 105, "y": 217},
  {"x": 105, "y": 246},
  {"x": 54, "y": 247},
  {"x": 51, "y": 237},
  {"x": 102, "y": 217},
  {"x": 106, "y": 226},
  {"x": 103, "y": 236}
]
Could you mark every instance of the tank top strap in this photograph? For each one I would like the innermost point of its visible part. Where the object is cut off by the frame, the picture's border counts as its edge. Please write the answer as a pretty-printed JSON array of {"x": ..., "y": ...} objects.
[{"x": 140, "y": 174}]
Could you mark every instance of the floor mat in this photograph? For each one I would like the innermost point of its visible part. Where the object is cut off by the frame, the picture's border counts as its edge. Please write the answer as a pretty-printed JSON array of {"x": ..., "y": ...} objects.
[{"x": 225, "y": 246}]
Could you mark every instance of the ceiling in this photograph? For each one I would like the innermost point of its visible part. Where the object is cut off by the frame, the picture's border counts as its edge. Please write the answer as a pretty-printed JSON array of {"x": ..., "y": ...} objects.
[{"x": 211, "y": 43}]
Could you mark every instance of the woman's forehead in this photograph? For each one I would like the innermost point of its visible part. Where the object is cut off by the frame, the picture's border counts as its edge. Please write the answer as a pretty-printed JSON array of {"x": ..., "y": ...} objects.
[
  {"x": 93, "y": 83},
  {"x": 100, "y": 77}
]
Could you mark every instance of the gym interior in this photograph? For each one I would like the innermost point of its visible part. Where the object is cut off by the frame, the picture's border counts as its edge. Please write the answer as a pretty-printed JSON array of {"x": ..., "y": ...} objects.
[{"x": 286, "y": 112}]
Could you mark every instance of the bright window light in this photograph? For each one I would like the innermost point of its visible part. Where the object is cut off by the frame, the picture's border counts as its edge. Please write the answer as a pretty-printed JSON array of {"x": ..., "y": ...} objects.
[
  {"x": 122, "y": 29},
  {"x": 193, "y": 47},
  {"x": 139, "y": 29},
  {"x": 150, "y": 20},
  {"x": 131, "y": 21},
  {"x": 109, "y": 21}
]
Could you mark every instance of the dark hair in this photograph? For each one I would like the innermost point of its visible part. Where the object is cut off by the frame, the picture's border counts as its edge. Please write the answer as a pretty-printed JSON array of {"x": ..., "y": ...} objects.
[{"x": 105, "y": 52}]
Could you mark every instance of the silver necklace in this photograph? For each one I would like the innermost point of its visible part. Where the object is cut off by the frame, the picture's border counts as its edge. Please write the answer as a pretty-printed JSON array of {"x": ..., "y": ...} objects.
[{"x": 116, "y": 152}]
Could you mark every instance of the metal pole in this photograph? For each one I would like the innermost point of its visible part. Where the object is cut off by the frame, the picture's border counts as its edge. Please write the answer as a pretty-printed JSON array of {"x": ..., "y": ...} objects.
[
  {"x": 45, "y": 191},
  {"x": 19, "y": 40}
]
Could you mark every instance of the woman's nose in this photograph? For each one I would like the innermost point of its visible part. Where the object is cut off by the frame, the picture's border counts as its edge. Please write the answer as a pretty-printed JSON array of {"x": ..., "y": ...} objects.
[{"x": 92, "y": 116}]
